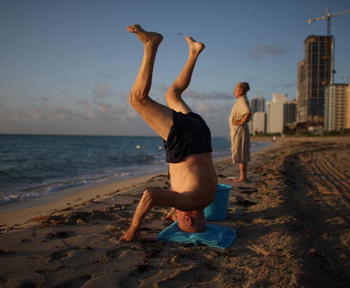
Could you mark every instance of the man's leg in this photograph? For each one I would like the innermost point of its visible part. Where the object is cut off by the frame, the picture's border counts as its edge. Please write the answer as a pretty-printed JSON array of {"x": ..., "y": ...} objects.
[
  {"x": 183, "y": 80},
  {"x": 173, "y": 95},
  {"x": 157, "y": 116}
]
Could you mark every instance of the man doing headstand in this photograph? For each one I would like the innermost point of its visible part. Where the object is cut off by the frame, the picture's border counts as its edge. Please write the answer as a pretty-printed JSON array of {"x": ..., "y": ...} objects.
[{"x": 187, "y": 142}]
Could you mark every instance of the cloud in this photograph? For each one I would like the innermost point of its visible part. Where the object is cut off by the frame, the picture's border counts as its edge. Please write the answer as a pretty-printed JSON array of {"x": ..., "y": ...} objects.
[
  {"x": 105, "y": 112},
  {"x": 64, "y": 113},
  {"x": 214, "y": 95},
  {"x": 262, "y": 49},
  {"x": 102, "y": 91},
  {"x": 82, "y": 101},
  {"x": 29, "y": 114},
  {"x": 122, "y": 112},
  {"x": 49, "y": 114},
  {"x": 105, "y": 109},
  {"x": 203, "y": 107}
]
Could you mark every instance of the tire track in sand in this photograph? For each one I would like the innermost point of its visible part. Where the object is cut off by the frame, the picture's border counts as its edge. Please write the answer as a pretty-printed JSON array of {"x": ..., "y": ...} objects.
[
  {"x": 341, "y": 181},
  {"x": 331, "y": 184}
]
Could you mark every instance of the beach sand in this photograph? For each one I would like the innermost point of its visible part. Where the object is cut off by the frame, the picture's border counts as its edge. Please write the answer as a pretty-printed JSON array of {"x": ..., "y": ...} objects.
[{"x": 292, "y": 220}]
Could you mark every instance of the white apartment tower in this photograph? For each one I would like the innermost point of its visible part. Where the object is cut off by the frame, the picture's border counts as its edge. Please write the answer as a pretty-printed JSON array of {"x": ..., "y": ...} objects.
[
  {"x": 258, "y": 123},
  {"x": 336, "y": 107},
  {"x": 275, "y": 113}
]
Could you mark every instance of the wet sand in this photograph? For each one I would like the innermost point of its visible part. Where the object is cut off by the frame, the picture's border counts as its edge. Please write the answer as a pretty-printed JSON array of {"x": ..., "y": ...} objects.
[{"x": 292, "y": 220}]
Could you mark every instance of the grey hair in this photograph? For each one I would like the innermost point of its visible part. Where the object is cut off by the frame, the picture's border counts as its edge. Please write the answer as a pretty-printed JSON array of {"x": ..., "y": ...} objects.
[{"x": 245, "y": 86}]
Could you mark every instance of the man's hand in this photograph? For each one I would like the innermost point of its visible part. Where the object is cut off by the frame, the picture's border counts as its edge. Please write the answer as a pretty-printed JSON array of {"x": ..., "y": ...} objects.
[{"x": 171, "y": 215}]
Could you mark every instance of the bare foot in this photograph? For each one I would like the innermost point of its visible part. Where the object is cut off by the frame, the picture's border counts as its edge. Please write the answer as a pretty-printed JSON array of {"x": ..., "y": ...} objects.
[
  {"x": 145, "y": 36},
  {"x": 195, "y": 47},
  {"x": 238, "y": 180}
]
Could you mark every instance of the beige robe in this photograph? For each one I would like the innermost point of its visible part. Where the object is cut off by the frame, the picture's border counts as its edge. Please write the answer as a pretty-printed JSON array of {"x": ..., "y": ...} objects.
[{"x": 240, "y": 138}]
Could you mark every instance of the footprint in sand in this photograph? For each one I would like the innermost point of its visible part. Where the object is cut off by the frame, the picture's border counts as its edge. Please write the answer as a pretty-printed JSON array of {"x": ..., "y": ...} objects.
[
  {"x": 76, "y": 282},
  {"x": 58, "y": 255}
]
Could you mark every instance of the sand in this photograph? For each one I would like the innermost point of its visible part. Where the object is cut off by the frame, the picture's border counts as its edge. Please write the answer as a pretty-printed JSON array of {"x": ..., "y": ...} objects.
[{"x": 292, "y": 221}]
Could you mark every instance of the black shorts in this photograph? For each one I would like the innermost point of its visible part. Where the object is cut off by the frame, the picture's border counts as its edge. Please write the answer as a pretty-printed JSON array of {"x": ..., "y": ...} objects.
[{"x": 189, "y": 135}]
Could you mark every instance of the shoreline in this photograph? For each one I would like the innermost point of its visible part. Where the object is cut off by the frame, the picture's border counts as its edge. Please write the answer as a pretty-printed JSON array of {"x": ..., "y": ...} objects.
[
  {"x": 43, "y": 175},
  {"x": 19, "y": 213}
]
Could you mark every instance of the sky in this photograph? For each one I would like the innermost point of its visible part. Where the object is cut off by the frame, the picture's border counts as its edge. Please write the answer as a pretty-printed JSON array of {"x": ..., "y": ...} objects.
[{"x": 67, "y": 66}]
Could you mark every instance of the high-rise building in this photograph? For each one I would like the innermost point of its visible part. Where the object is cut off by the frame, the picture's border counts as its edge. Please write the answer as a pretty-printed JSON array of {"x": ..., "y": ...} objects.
[
  {"x": 258, "y": 123},
  {"x": 290, "y": 112},
  {"x": 347, "y": 126},
  {"x": 301, "y": 99},
  {"x": 257, "y": 104},
  {"x": 336, "y": 107},
  {"x": 275, "y": 113},
  {"x": 315, "y": 73}
]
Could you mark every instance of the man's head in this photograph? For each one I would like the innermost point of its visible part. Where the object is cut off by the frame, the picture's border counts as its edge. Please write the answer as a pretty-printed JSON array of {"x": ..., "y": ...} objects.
[{"x": 191, "y": 221}]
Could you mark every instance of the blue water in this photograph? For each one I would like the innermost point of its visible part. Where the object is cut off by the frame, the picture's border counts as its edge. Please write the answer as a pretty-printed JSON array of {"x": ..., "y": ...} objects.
[{"x": 33, "y": 166}]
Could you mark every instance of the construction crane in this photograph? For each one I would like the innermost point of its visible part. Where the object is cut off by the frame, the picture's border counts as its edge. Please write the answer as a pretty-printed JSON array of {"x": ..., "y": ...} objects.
[{"x": 328, "y": 16}]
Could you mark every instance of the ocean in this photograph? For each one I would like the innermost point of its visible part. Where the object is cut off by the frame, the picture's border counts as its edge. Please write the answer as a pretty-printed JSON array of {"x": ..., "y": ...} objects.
[{"x": 34, "y": 166}]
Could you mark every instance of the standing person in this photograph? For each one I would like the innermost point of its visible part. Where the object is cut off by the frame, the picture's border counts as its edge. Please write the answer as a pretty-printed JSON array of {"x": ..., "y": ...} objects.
[
  {"x": 240, "y": 138},
  {"x": 187, "y": 142}
]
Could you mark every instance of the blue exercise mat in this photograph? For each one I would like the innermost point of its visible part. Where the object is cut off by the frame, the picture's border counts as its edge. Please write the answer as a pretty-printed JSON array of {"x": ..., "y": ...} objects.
[{"x": 214, "y": 236}]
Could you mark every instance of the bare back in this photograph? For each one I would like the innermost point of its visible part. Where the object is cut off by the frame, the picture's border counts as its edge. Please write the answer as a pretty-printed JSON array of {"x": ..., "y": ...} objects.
[{"x": 196, "y": 175}]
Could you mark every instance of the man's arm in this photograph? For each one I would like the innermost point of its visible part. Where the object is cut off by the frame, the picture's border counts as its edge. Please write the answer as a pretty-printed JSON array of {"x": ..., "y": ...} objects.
[
  {"x": 155, "y": 197},
  {"x": 144, "y": 206}
]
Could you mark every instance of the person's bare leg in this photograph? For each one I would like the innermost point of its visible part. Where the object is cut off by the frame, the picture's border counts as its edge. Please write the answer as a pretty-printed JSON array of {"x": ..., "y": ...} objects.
[
  {"x": 242, "y": 173},
  {"x": 173, "y": 95},
  {"x": 143, "y": 82},
  {"x": 183, "y": 80},
  {"x": 157, "y": 116}
]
